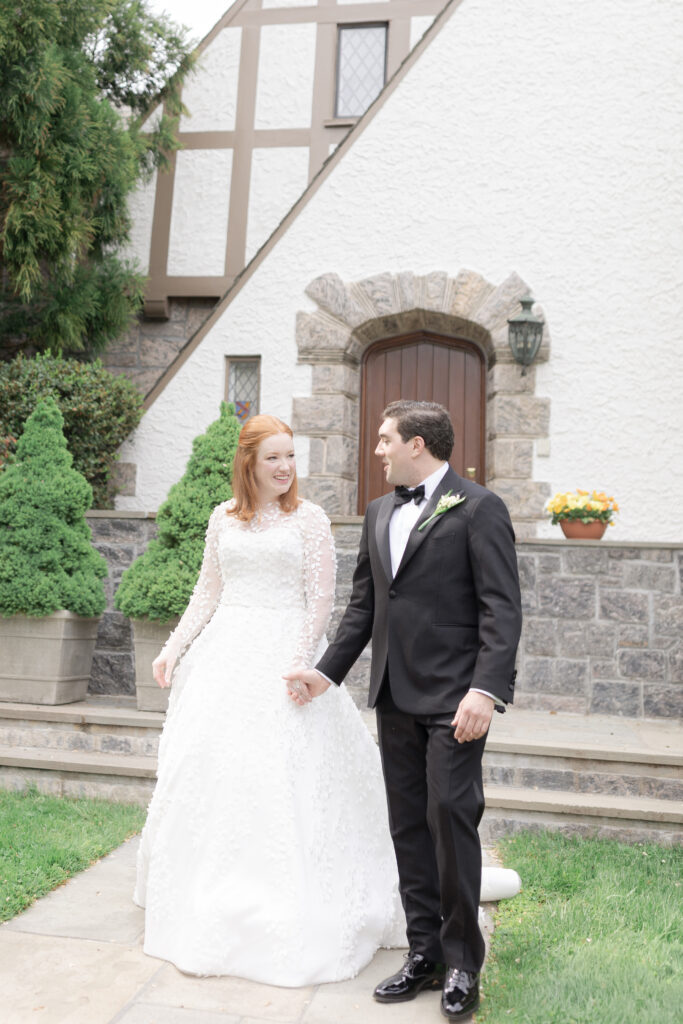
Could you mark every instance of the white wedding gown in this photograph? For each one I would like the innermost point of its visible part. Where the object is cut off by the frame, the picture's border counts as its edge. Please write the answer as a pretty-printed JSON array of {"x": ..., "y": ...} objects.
[{"x": 266, "y": 853}]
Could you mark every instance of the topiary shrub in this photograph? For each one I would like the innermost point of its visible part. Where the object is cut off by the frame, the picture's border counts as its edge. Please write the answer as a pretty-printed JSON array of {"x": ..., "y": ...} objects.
[
  {"x": 100, "y": 410},
  {"x": 47, "y": 562},
  {"x": 159, "y": 584},
  {"x": 7, "y": 447}
]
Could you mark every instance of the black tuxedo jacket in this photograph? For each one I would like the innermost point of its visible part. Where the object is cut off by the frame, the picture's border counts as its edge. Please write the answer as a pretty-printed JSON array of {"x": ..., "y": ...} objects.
[{"x": 450, "y": 618}]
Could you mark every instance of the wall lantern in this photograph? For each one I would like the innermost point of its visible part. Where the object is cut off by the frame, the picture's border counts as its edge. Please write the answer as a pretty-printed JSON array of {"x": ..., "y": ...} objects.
[{"x": 525, "y": 332}]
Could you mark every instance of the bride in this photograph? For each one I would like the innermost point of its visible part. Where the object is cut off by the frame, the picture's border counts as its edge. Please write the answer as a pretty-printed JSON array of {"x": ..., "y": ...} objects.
[{"x": 266, "y": 853}]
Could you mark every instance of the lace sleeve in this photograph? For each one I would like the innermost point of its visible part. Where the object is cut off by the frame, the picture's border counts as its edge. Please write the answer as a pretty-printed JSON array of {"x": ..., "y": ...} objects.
[
  {"x": 205, "y": 595},
  {"x": 320, "y": 568}
]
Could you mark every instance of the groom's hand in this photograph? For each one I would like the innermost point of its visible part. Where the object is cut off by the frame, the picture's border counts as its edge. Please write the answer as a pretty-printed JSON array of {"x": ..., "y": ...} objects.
[
  {"x": 305, "y": 684},
  {"x": 473, "y": 716}
]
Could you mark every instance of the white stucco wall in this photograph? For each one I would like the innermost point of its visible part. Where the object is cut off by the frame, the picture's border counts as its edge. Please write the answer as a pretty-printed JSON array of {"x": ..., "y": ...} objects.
[
  {"x": 418, "y": 27},
  {"x": 284, "y": 94},
  {"x": 199, "y": 218},
  {"x": 278, "y": 177},
  {"x": 210, "y": 93},
  {"x": 141, "y": 212},
  {"x": 540, "y": 138}
]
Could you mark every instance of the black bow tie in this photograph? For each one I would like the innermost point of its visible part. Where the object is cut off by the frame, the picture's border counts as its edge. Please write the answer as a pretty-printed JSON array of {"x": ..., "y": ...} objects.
[{"x": 404, "y": 494}]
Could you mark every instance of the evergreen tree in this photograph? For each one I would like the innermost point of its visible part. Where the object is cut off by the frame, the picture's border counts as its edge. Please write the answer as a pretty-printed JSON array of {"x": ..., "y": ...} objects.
[
  {"x": 159, "y": 584},
  {"x": 47, "y": 562},
  {"x": 76, "y": 80}
]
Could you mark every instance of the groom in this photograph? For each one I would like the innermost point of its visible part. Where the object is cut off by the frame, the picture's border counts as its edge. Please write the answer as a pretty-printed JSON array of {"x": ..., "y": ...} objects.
[{"x": 436, "y": 588}]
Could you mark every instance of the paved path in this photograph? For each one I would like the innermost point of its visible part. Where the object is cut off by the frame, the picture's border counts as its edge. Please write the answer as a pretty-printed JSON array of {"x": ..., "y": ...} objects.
[{"x": 76, "y": 957}]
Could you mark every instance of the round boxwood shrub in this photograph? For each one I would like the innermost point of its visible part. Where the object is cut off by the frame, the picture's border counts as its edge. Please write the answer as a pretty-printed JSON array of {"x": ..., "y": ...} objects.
[
  {"x": 47, "y": 562},
  {"x": 159, "y": 584},
  {"x": 100, "y": 410}
]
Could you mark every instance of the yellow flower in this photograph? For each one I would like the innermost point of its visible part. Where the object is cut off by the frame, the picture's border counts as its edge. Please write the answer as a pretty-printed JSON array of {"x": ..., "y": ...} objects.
[{"x": 580, "y": 504}]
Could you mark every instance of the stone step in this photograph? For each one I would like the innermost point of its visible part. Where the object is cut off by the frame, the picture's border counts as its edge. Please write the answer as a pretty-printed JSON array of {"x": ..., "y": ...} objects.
[
  {"x": 82, "y": 726},
  {"x": 581, "y": 774},
  {"x": 586, "y": 775},
  {"x": 119, "y": 778},
  {"x": 589, "y": 804},
  {"x": 633, "y": 808},
  {"x": 604, "y": 750},
  {"x": 579, "y": 753},
  {"x": 131, "y": 780},
  {"x": 59, "y": 736},
  {"x": 627, "y": 819},
  {"x": 92, "y": 762}
]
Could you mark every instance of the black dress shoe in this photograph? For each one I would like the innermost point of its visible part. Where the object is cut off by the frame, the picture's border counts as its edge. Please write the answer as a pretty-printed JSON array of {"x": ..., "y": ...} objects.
[
  {"x": 460, "y": 996},
  {"x": 417, "y": 974}
]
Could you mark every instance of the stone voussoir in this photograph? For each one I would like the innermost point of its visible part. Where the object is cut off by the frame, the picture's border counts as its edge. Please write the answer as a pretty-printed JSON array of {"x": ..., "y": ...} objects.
[
  {"x": 319, "y": 335},
  {"x": 334, "y": 296},
  {"x": 468, "y": 292},
  {"x": 378, "y": 295}
]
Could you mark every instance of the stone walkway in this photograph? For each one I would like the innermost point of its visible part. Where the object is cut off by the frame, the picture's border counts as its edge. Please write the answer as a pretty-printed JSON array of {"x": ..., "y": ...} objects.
[{"x": 76, "y": 957}]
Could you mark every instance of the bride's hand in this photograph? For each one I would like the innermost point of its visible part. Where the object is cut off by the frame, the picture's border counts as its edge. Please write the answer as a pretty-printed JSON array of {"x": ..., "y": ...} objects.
[
  {"x": 162, "y": 668},
  {"x": 305, "y": 684}
]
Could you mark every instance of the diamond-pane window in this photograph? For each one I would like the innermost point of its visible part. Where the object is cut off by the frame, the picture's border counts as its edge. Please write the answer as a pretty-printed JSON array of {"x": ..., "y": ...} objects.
[
  {"x": 361, "y": 67},
  {"x": 243, "y": 384}
]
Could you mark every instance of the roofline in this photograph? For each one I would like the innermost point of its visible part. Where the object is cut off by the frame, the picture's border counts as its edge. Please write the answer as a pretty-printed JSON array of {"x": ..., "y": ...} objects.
[
  {"x": 222, "y": 22},
  {"x": 308, "y": 193}
]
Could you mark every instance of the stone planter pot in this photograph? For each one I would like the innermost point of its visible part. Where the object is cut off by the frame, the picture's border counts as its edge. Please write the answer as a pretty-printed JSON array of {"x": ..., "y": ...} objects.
[
  {"x": 574, "y": 529},
  {"x": 46, "y": 660},
  {"x": 148, "y": 639}
]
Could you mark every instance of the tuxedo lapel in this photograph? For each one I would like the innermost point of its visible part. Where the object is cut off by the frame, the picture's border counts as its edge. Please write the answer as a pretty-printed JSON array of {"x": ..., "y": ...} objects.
[
  {"x": 382, "y": 533},
  {"x": 417, "y": 537}
]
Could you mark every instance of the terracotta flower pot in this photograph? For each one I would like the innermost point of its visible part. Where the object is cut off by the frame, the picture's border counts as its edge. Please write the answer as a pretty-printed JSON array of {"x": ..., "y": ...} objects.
[{"x": 574, "y": 529}]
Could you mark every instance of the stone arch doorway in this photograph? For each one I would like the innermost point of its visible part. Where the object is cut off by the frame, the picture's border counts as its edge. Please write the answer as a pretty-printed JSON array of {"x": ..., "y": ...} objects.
[
  {"x": 429, "y": 367},
  {"x": 350, "y": 317}
]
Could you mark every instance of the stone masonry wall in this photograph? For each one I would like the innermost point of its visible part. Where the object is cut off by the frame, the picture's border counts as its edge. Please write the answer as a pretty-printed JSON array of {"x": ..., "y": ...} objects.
[
  {"x": 151, "y": 345},
  {"x": 603, "y": 628},
  {"x": 603, "y": 621},
  {"x": 120, "y": 537}
]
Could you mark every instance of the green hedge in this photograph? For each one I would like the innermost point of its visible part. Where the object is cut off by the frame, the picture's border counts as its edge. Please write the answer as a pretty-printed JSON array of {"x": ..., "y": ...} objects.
[
  {"x": 99, "y": 408},
  {"x": 159, "y": 584},
  {"x": 47, "y": 561}
]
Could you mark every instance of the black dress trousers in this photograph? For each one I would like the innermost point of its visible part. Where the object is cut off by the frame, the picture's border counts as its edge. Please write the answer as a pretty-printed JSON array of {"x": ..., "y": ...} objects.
[{"x": 436, "y": 800}]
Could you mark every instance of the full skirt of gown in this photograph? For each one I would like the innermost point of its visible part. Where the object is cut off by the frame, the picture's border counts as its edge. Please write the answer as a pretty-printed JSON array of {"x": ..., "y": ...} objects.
[{"x": 266, "y": 853}]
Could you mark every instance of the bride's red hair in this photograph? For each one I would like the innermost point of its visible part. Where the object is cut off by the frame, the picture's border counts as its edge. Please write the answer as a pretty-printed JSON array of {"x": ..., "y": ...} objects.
[{"x": 244, "y": 489}]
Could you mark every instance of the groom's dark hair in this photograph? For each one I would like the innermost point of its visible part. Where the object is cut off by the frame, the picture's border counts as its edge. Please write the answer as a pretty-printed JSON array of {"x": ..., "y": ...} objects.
[{"x": 427, "y": 420}]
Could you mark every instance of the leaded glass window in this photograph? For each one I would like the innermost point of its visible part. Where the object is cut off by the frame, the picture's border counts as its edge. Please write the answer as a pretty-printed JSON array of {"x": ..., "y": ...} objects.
[
  {"x": 361, "y": 67},
  {"x": 243, "y": 385}
]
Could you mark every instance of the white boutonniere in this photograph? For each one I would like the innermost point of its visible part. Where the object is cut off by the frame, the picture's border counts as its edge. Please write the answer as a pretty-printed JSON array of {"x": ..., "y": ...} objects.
[{"x": 445, "y": 502}]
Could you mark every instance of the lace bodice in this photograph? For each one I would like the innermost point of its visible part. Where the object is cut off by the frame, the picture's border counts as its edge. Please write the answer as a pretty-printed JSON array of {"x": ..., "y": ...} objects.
[{"x": 276, "y": 560}]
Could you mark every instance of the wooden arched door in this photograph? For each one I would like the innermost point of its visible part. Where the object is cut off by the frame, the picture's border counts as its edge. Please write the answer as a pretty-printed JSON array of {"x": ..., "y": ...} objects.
[{"x": 430, "y": 368}]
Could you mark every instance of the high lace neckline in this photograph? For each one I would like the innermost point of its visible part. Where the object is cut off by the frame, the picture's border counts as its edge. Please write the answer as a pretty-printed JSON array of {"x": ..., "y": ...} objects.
[{"x": 266, "y": 515}]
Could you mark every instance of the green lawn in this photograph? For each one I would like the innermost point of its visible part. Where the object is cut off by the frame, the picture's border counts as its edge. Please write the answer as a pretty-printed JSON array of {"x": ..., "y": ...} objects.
[
  {"x": 45, "y": 839},
  {"x": 595, "y": 936}
]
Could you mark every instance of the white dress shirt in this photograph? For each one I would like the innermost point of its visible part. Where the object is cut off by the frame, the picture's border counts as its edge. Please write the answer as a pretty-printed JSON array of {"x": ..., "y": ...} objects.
[{"x": 405, "y": 516}]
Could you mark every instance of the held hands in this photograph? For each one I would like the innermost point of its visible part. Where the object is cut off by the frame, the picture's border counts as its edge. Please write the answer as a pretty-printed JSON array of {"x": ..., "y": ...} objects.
[
  {"x": 305, "y": 684},
  {"x": 473, "y": 716},
  {"x": 162, "y": 668}
]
